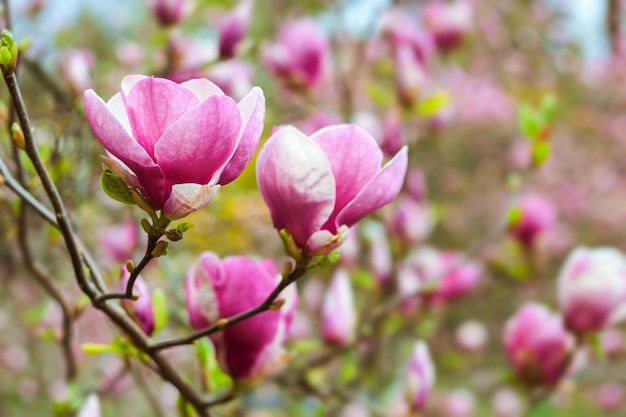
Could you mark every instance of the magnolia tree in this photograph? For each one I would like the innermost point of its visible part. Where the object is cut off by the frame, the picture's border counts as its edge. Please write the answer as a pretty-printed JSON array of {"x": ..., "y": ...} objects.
[{"x": 404, "y": 228}]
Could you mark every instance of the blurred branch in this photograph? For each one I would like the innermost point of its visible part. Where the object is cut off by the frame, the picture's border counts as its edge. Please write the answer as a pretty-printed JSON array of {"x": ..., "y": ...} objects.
[{"x": 613, "y": 15}]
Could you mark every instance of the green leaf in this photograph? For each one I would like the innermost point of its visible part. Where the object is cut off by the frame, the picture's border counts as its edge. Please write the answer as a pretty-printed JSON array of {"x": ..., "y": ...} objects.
[
  {"x": 548, "y": 106},
  {"x": 514, "y": 216},
  {"x": 542, "y": 409},
  {"x": 596, "y": 346},
  {"x": 159, "y": 307},
  {"x": 530, "y": 122},
  {"x": 100, "y": 348},
  {"x": 540, "y": 152},
  {"x": 184, "y": 408},
  {"x": 115, "y": 188},
  {"x": 434, "y": 104},
  {"x": 380, "y": 95},
  {"x": 184, "y": 226}
]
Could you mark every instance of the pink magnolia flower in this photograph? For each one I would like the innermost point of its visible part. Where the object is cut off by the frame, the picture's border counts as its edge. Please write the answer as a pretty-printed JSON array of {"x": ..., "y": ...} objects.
[
  {"x": 299, "y": 55},
  {"x": 317, "y": 187},
  {"x": 537, "y": 214},
  {"x": 460, "y": 403},
  {"x": 379, "y": 252},
  {"x": 409, "y": 75},
  {"x": 176, "y": 143},
  {"x": 76, "y": 67},
  {"x": 537, "y": 344},
  {"x": 91, "y": 407},
  {"x": 217, "y": 289},
  {"x": 419, "y": 376},
  {"x": 411, "y": 220},
  {"x": 170, "y": 12},
  {"x": 118, "y": 243},
  {"x": 141, "y": 308},
  {"x": 592, "y": 288},
  {"x": 401, "y": 29},
  {"x": 449, "y": 22},
  {"x": 338, "y": 311},
  {"x": 234, "y": 28}
]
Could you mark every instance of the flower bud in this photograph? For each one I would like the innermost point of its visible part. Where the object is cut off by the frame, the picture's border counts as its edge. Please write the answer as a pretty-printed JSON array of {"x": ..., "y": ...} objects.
[
  {"x": 537, "y": 344},
  {"x": 91, "y": 407},
  {"x": 592, "y": 288},
  {"x": 218, "y": 289},
  {"x": 117, "y": 243},
  {"x": 338, "y": 312},
  {"x": 448, "y": 22},
  {"x": 170, "y": 12},
  {"x": 460, "y": 403},
  {"x": 140, "y": 309},
  {"x": 76, "y": 67},
  {"x": 409, "y": 76},
  {"x": 533, "y": 215},
  {"x": 411, "y": 220},
  {"x": 234, "y": 28},
  {"x": 8, "y": 52},
  {"x": 419, "y": 376}
]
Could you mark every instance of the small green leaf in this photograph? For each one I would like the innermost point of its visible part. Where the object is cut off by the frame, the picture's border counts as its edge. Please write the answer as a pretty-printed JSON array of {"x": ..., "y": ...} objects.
[
  {"x": 596, "y": 346},
  {"x": 115, "y": 188},
  {"x": 100, "y": 348},
  {"x": 548, "y": 106},
  {"x": 542, "y": 409},
  {"x": 514, "y": 216},
  {"x": 540, "y": 152},
  {"x": 159, "y": 307},
  {"x": 434, "y": 104},
  {"x": 184, "y": 226},
  {"x": 529, "y": 120},
  {"x": 380, "y": 95}
]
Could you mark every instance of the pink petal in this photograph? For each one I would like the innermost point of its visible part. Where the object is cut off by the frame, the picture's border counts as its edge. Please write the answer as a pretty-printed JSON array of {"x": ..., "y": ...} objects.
[
  {"x": 187, "y": 198},
  {"x": 296, "y": 182},
  {"x": 129, "y": 82},
  {"x": 202, "y": 88},
  {"x": 354, "y": 156},
  {"x": 197, "y": 147},
  {"x": 252, "y": 108},
  {"x": 381, "y": 190},
  {"x": 152, "y": 105}
]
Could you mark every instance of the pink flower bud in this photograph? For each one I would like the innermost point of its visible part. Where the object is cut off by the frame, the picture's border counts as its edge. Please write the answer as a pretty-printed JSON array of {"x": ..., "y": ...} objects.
[
  {"x": 234, "y": 77},
  {"x": 419, "y": 376},
  {"x": 537, "y": 344},
  {"x": 176, "y": 143},
  {"x": 592, "y": 287},
  {"x": 338, "y": 312},
  {"x": 409, "y": 76},
  {"x": 317, "y": 187},
  {"x": 459, "y": 277},
  {"x": 76, "y": 67},
  {"x": 299, "y": 56},
  {"x": 351, "y": 248},
  {"x": 394, "y": 134},
  {"x": 460, "y": 403},
  {"x": 471, "y": 336},
  {"x": 117, "y": 243},
  {"x": 170, "y": 12},
  {"x": 401, "y": 30},
  {"x": 507, "y": 403},
  {"x": 234, "y": 28},
  {"x": 536, "y": 215},
  {"x": 610, "y": 396},
  {"x": 217, "y": 289},
  {"x": 379, "y": 259},
  {"x": 416, "y": 184},
  {"x": 141, "y": 308},
  {"x": 412, "y": 221},
  {"x": 449, "y": 22}
]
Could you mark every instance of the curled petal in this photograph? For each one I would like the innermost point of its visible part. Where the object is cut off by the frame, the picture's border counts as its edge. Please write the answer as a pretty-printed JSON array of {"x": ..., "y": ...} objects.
[
  {"x": 296, "y": 182},
  {"x": 381, "y": 190},
  {"x": 323, "y": 242},
  {"x": 187, "y": 198},
  {"x": 202, "y": 88},
  {"x": 252, "y": 108}
]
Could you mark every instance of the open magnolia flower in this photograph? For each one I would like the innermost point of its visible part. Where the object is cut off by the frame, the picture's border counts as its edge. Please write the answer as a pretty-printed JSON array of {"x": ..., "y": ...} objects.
[
  {"x": 176, "y": 143},
  {"x": 317, "y": 187}
]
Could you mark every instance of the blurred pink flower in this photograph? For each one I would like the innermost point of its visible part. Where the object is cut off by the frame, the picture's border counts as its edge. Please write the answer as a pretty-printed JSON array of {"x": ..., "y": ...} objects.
[
  {"x": 537, "y": 344},
  {"x": 234, "y": 77},
  {"x": 338, "y": 311},
  {"x": 217, "y": 289},
  {"x": 234, "y": 29},
  {"x": 118, "y": 243},
  {"x": 318, "y": 120},
  {"x": 507, "y": 403},
  {"x": 471, "y": 336},
  {"x": 610, "y": 396},
  {"x": 449, "y": 22},
  {"x": 409, "y": 76},
  {"x": 317, "y": 187},
  {"x": 419, "y": 376},
  {"x": 460, "y": 403},
  {"x": 592, "y": 288},
  {"x": 299, "y": 55},
  {"x": 402, "y": 30},
  {"x": 176, "y": 143},
  {"x": 536, "y": 215},
  {"x": 410, "y": 220},
  {"x": 76, "y": 68},
  {"x": 170, "y": 12},
  {"x": 141, "y": 308},
  {"x": 91, "y": 407}
]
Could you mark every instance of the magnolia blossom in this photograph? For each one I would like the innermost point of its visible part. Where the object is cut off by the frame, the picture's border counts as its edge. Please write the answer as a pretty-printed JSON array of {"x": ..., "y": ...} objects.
[
  {"x": 592, "y": 288},
  {"x": 317, "y": 187},
  {"x": 536, "y": 215},
  {"x": 177, "y": 144},
  {"x": 217, "y": 289},
  {"x": 379, "y": 251},
  {"x": 91, "y": 407},
  {"x": 449, "y": 22},
  {"x": 338, "y": 311},
  {"x": 170, "y": 12},
  {"x": 141, "y": 308},
  {"x": 299, "y": 55},
  {"x": 537, "y": 344},
  {"x": 234, "y": 28},
  {"x": 411, "y": 220},
  {"x": 409, "y": 75},
  {"x": 419, "y": 376}
]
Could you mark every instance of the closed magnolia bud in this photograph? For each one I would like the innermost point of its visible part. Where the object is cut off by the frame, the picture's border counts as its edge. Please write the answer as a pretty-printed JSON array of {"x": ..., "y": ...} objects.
[
  {"x": 338, "y": 312},
  {"x": 216, "y": 289},
  {"x": 533, "y": 215},
  {"x": 592, "y": 288},
  {"x": 419, "y": 376},
  {"x": 234, "y": 28},
  {"x": 170, "y": 12},
  {"x": 409, "y": 76},
  {"x": 140, "y": 309},
  {"x": 538, "y": 346},
  {"x": 448, "y": 22}
]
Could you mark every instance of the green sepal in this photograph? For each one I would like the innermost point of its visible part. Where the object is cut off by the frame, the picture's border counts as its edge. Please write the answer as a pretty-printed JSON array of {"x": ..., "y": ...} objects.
[
  {"x": 434, "y": 104},
  {"x": 115, "y": 188}
]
